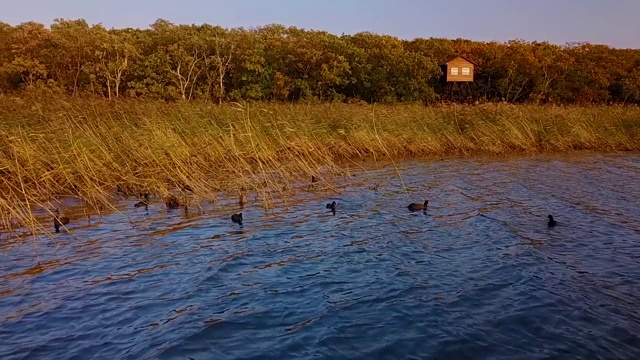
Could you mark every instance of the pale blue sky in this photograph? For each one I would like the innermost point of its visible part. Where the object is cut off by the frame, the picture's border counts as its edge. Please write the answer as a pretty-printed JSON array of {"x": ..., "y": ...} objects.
[{"x": 612, "y": 22}]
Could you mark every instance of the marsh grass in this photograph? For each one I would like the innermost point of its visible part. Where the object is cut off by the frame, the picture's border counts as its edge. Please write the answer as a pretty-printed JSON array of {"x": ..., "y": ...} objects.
[{"x": 95, "y": 151}]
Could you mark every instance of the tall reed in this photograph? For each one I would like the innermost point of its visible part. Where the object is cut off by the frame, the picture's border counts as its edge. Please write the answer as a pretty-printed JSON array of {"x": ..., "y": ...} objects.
[{"x": 90, "y": 149}]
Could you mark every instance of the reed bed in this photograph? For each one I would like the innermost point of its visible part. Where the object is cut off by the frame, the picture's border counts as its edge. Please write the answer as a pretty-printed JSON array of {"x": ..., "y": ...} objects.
[{"x": 97, "y": 150}]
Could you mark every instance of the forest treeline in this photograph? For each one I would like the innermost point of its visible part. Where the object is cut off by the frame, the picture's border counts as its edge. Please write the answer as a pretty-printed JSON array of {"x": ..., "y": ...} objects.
[{"x": 274, "y": 62}]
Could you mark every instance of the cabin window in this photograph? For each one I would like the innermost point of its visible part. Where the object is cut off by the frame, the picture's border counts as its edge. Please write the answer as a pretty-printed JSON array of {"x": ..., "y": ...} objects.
[
  {"x": 466, "y": 71},
  {"x": 454, "y": 71}
]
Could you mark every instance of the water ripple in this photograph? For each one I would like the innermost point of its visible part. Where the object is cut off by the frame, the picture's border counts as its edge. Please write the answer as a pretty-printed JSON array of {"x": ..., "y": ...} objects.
[{"x": 478, "y": 275}]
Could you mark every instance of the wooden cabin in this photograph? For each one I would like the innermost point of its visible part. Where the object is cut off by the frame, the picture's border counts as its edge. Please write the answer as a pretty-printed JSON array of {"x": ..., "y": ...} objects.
[{"x": 459, "y": 69}]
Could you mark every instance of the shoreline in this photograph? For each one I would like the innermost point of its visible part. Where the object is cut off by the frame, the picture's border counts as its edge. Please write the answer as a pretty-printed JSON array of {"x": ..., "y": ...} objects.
[
  {"x": 88, "y": 149},
  {"x": 225, "y": 203}
]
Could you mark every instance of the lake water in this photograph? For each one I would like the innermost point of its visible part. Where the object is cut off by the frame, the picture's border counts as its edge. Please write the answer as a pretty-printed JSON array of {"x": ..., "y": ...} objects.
[{"x": 480, "y": 275}]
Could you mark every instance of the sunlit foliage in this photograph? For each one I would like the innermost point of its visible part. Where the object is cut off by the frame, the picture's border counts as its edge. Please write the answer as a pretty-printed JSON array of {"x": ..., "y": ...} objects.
[{"x": 277, "y": 63}]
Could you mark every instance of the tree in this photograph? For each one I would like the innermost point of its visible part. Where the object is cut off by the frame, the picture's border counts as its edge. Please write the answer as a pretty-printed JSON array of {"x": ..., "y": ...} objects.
[
  {"x": 276, "y": 62},
  {"x": 77, "y": 46},
  {"x": 113, "y": 60},
  {"x": 30, "y": 49},
  {"x": 220, "y": 51},
  {"x": 185, "y": 54}
]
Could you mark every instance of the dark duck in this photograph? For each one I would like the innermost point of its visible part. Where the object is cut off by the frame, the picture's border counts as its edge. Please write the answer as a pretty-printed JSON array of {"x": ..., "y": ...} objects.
[
  {"x": 237, "y": 218},
  {"x": 418, "y": 206}
]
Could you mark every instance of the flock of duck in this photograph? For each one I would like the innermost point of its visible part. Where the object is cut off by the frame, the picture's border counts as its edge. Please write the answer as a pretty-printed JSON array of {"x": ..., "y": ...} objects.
[{"x": 172, "y": 202}]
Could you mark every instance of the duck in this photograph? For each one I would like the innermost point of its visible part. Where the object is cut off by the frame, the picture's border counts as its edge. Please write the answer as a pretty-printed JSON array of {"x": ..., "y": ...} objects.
[
  {"x": 120, "y": 189},
  {"x": 551, "y": 222},
  {"x": 418, "y": 206},
  {"x": 59, "y": 221},
  {"x": 237, "y": 218},
  {"x": 144, "y": 202},
  {"x": 172, "y": 202},
  {"x": 332, "y": 206},
  {"x": 141, "y": 203}
]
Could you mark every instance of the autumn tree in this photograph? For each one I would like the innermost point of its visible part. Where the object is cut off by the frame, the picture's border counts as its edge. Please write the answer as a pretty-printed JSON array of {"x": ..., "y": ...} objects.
[
  {"x": 113, "y": 59},
  {"x": 220, "y": 51},
  {"x": 77, "y": 45},
  {"x": 30, "y": 49},
  {"x": 276, "y": 62}
]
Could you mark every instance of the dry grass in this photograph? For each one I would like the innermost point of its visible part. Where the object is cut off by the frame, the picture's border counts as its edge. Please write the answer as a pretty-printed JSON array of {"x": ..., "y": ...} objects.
[{"x": 90, "y": 149}]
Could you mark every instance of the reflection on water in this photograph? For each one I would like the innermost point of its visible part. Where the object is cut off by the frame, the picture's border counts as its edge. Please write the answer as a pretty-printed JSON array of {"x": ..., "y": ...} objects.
[{"x": 479, "y": 275}]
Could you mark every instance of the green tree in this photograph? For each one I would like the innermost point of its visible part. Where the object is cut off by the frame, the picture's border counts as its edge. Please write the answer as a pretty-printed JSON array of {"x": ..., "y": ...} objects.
[
  {"x": 77, "y": 46},
  {"x": 113, "y": 59},
  {"x": 30, "y": 49}
]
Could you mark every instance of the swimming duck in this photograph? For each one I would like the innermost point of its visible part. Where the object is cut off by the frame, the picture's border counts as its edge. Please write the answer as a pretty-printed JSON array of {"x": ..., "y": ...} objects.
[
  {"x": 551, "y": 222},
  {"x": 59, "y": 221},
  {"x": 418, "y": 206},
  {"x": 122, "y": 190},
  {"x": 172, "y": 202},
  {"x": 144, "y": 202},
  {"x": 333, "y": 207},
  {"x": 237, "y": 218}
]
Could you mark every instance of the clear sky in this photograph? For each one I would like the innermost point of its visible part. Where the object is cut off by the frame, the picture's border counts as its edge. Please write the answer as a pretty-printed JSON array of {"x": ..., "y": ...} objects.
[{"x": 612, "y": 22}]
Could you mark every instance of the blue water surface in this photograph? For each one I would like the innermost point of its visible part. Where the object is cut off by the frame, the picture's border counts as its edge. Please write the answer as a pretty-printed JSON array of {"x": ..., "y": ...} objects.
[{"x": 479, "y": 275}]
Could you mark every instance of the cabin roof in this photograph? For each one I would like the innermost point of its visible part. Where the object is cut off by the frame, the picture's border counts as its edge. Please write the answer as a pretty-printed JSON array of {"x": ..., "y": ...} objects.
[{"x": 458, "y": 57}]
